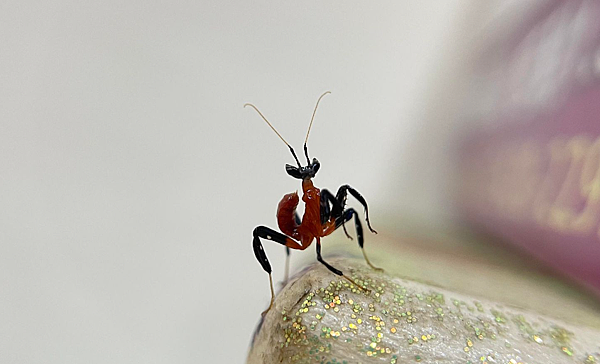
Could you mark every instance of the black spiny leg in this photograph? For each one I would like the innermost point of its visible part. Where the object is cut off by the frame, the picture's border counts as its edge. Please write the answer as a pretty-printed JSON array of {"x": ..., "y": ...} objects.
[
  {"x": 287, "y": 266},
  {"x": 336, "y": 207},
  {"x": 320, "y": 259},
  {"x": 269, "y": 234},
  {"x": 348, "y": 214},
  {"x": 333, "y": 269},
  {"x": 341, "y": 197},
  {"x": 335, "y": 211},
  {"x": 326, "y": 198}
]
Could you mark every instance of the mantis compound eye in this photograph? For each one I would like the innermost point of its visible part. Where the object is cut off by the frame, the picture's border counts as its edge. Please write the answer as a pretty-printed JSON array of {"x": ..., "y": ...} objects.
[
  {"x": 315, "y": 166},
  {"x": 293, "y": 171}
]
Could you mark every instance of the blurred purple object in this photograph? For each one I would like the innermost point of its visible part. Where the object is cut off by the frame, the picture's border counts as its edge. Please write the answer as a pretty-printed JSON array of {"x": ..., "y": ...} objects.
[{"x": 531, "y": 174}]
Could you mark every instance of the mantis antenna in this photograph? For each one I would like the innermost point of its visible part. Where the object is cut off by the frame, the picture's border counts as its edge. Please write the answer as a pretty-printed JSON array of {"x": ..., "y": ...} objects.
[
  {"x": 310, "y": 125},
  {"x": 276, "y": 132}
]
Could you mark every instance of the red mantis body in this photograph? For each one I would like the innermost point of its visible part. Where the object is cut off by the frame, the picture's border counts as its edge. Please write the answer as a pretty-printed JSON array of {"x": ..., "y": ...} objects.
[{"x": 311, "y": 226}]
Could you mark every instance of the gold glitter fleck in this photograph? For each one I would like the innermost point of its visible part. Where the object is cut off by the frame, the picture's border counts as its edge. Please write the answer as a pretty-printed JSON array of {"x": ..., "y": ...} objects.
[
  {"x": 393, "y": 330},
  {"x": 567, "y": 350},
  {"x": 498, "y": 317}
]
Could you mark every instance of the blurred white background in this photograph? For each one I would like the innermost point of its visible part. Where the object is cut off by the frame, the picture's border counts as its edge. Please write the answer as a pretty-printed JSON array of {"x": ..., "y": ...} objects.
[{"x": 131, "y": 176}]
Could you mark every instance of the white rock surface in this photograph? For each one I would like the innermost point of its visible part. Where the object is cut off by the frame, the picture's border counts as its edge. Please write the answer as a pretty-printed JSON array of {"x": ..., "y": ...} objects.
[{"x": 320, "y": 318}]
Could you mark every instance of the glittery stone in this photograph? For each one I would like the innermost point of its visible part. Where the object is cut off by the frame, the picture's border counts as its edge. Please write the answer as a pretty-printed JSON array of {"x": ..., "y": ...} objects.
[{"x": 330, "y": 315}]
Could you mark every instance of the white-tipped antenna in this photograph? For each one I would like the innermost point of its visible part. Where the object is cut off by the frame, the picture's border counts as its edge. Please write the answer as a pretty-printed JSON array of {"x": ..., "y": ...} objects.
[
  {"x": 276, "y": 132},
  {"x": 313, "y": 115},
  {"x": 310, "y": 125},
  {"x": 267, "y": 121}
]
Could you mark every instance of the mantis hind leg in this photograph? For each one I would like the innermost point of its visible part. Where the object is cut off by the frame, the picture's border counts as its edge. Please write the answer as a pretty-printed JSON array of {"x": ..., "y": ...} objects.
[
  {"x": 346, "y": 216},
  {"x": 335, "y": 270}
]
